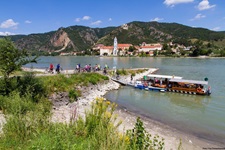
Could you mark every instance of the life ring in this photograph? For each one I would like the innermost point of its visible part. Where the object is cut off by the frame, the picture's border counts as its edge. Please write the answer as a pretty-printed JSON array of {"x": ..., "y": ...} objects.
[{"x": 199, "y": 90}]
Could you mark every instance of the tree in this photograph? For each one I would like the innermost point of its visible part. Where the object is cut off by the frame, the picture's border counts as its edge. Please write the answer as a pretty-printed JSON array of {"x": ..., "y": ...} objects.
[
  {"x": 155, "y": 53},
  {"x": 11, "y": 60},
  {"x": 196, "y": 52},
  {"x": 131, "y": 49},
  {"x": 165, "y": 46}
]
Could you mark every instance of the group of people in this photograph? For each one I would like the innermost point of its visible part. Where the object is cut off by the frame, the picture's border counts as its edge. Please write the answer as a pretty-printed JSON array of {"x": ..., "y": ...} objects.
[
  {"x": 51, "y": 68},
  {"x": 89, "y": 68},
  {"x": 86, "y": 68}
]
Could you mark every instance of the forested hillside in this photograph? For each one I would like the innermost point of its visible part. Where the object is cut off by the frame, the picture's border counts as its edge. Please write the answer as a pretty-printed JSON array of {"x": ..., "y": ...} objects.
[{"x": 81, "y": 38}]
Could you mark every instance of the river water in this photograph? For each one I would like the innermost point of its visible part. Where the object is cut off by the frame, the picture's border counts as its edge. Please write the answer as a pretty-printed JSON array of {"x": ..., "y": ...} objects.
[{"x": 203, "y": 116}]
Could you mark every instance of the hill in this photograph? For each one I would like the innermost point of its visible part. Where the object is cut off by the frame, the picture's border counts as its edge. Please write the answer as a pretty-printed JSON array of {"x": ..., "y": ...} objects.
[
  {"x": 79, "y": 38},
  {"x": 151, "y": 32}
]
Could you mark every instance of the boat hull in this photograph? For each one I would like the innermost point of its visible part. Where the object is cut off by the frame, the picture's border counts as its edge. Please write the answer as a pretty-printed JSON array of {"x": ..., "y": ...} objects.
[{"x": 191, "y": 92}]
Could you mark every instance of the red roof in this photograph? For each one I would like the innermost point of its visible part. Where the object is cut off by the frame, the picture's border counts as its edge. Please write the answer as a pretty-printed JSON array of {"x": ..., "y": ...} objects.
[
  {"x": 107, "y": 47},
  {"x": 124, "y": 45},
  {"x": 152, "y": 46}
]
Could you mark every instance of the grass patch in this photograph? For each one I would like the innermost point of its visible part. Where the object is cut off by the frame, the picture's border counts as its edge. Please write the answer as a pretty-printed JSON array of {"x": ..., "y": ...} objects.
[
  {"x": 125, "y": 72},
  {"x": 62, "y": 83},
  {"x": 28, "y": 124}
]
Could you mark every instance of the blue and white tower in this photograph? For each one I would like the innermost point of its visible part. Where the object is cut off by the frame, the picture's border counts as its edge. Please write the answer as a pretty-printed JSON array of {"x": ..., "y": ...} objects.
[{"x": 115, "y": 47}]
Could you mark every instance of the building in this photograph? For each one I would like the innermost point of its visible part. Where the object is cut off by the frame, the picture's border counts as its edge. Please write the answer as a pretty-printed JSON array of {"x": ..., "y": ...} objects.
[
  {"x": 113, "y": 50},
  {"x": 124, "y": 26},
  {"x": 149, "y": 48},
  {"x": 98, "y": 46},
  {"x": 106, "y": 50}
]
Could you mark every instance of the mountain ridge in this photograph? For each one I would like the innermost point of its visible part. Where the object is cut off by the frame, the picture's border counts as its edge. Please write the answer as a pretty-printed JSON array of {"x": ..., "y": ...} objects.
[{"x": 81, "y": 38}]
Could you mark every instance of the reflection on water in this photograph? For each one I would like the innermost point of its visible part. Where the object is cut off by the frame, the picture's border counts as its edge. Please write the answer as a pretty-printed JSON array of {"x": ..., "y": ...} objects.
[{"x": 188, "y": 100}]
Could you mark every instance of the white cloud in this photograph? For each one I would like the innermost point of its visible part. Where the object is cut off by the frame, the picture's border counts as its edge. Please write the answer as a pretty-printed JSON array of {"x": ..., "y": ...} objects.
[
  {"x": 96, "y": 22},
  {"x": 204, "y": 4},
  {"x": 6, "y": 33},
  {"x": 174, "y": 2},
  {"x": 157, "y": 19},
  {"x": 9, "y": 24},
  {"x": 110, "y": 19},
  {"x": 216, "y": 29},
  {"x": 77, "y": 19},
  {"x": 28, "y": 21},
  {"x": 198, "y": 16},
  {"x": 86, "y": 18}
]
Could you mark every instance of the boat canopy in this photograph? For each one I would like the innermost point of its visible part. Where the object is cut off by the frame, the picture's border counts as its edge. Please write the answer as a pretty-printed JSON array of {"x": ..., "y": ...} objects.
[
  {"x": 189, "y": 81},
  {"x": 163, "y": 76}
]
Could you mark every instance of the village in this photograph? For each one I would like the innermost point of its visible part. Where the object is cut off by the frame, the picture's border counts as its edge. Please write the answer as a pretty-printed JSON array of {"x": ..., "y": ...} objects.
[
  {"x": 127, "y": 49},
  {"x": 148, "y": 49}
]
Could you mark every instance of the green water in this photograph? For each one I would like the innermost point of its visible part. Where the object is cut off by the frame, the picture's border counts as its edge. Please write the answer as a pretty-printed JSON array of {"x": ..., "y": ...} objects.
[{"x": 203, "y": 116}]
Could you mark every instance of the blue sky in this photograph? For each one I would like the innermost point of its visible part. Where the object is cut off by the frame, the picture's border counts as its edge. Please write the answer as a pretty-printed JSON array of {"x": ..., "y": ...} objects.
[{"x": 39, "y": 16}]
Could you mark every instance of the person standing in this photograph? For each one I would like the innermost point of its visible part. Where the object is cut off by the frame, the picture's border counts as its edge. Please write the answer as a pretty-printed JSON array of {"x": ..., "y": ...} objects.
[
  {"x": 51, "y": 67},
  {"x": 58, "y": 68}
]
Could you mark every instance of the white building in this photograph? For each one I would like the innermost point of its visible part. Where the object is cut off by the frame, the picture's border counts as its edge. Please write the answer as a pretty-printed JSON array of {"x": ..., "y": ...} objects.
[
  {"x": 106, "y": 50},
  {"x": 152, "y": 47}
]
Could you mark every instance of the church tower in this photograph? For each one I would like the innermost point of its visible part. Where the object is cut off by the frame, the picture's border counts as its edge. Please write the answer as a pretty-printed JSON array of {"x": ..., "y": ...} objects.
[{"x": 115, "y": 47}]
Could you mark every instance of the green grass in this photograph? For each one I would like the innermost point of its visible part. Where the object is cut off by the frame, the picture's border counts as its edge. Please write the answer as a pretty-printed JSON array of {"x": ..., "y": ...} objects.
[
  {"x": 62, "y": 83},
  {"x": 124, "y": 72},
  {"x": 28, "y": 124}
]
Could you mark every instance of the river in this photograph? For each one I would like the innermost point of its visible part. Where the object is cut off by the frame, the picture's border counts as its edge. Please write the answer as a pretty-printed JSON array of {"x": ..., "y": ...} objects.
[{"x": 202, "y": 116}]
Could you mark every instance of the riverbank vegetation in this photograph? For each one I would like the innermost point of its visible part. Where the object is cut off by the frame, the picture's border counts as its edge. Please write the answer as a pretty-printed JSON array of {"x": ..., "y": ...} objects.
[
  {"x": 28, "y": 119},
  {"x": 125, "y": 72},
  {"x": 27, "y": 109}
]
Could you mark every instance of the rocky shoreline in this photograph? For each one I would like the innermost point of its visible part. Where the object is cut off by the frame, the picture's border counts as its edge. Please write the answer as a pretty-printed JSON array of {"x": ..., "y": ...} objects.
[
  {"x": 172, "y": 136},
  {"x": 63, "y": 111}
]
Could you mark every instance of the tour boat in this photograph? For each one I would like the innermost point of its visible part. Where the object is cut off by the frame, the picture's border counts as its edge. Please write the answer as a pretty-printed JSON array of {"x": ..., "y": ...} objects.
[
  {"x": 154, "y": 82},
  {"x": 189, "y": 86},
  {"x": 163, "y": 83},
  {"x": 159, "y": 82}
]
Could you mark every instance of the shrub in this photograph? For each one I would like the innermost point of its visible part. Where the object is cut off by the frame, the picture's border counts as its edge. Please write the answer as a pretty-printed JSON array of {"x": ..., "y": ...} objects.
[
  {"x": 140, "y": 139},
  {"x": 25, "y": 119},
  {"x": 99, "y": 126},
  {"x": 26, "y": 84},
  {"x": 122, "y": 72},
  {"x": 29, "y": 84},
  {"x": 73, "y": 95}
]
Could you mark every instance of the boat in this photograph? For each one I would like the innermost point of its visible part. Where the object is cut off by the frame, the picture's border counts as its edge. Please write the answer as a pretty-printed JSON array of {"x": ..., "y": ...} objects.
[
  {"x": 153, "y": 82},
  {"x": 189, "y": 86},
  {"x": 163, "y": 83},
  {"x": 159, "y": 82}
]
